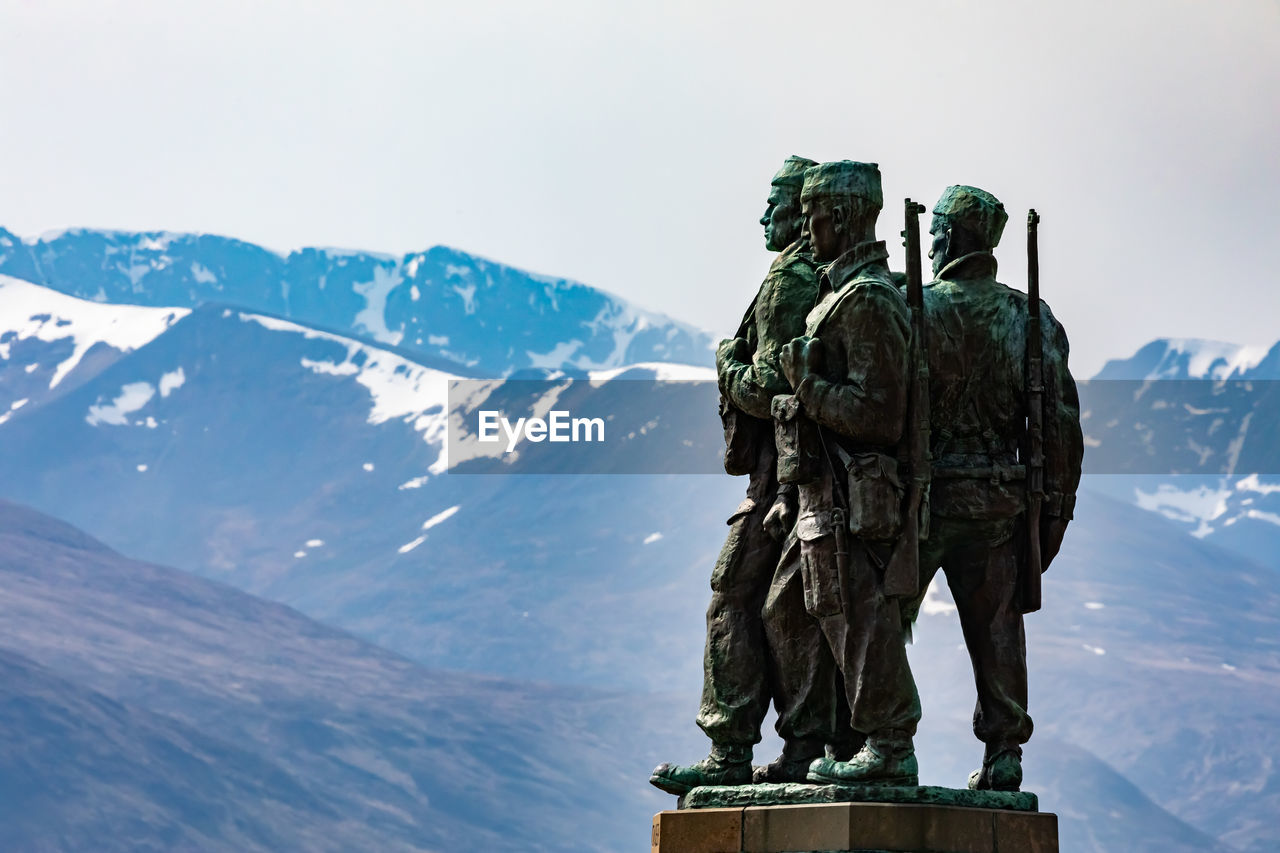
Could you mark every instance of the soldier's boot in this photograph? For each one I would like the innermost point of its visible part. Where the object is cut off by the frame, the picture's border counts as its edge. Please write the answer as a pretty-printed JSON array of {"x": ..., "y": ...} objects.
[
  {"x": 726, "y": 765},
  {"x": 887, "y": 758},
  {"x": 1001, "y": 770},
  {"x": 792, "y": 765},
  {"x": 798, "y": 755}
]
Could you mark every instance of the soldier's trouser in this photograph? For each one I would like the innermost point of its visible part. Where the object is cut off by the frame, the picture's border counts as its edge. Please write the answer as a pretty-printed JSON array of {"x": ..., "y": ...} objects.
[
  {"x": 980, "y": 561},
  {"x": 735, "y": 664},
  {"x": 741, "y": 671},
  {"x": 807, "y": 691},
  {"x": 865, "y": 632}
]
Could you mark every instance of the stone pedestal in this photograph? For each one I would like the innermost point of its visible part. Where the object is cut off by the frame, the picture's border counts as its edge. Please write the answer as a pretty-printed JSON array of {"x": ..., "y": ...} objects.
[{"x": 941, "y": 820}]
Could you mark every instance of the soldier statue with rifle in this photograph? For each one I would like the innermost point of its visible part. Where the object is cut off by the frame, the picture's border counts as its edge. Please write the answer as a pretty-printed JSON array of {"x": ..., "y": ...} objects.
[
  {"x": 841, "y": 439},
  {"x": 1006, "y": 446}
]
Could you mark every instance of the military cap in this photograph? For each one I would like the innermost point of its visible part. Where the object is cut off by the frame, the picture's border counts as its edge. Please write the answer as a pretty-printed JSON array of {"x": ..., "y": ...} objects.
[
  {"x": 792, "y": 172},
  {"x": 974, "y": 210},
  {"x": 844, "y": 178}
]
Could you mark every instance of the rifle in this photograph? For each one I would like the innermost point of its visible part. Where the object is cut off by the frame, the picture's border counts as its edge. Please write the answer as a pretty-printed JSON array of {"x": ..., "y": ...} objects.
[
  {"x": 1035, "y": 422},
  {"x": 902, "y": 577}
]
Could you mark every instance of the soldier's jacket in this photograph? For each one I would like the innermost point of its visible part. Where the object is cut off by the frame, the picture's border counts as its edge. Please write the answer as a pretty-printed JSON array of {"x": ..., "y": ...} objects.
[
  {"x": 785, "y": 297},
  {"x": 858, "y": 397},
  {"x": 864, "y": 324},
  {"x": 977, "y": 338}
]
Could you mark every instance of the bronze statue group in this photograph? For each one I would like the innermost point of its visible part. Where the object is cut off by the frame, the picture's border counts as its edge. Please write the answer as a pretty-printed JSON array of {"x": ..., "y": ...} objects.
[{"x": 888, "y": 428}]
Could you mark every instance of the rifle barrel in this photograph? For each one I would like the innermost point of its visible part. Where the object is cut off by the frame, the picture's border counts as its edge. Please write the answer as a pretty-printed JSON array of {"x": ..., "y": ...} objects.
[
  {"x": 902, "y": 578},
  {"x": 1033, "y": 566}
]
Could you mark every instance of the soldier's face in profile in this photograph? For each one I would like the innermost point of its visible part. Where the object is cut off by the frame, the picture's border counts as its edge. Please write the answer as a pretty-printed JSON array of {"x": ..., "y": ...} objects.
[
  {"x": 938, "y": 250},
  {"x": 820, "y": 227},
  {"x": 781, "y": 220}
]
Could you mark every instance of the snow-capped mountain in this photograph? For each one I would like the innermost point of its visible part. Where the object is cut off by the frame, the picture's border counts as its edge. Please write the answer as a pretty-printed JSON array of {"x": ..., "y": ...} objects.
[
  {"x": 491, "y": 318},
  {"x": 1191, "y": 358},
  {"x": 309, "y": 467},
  {"x": 51, "y": 340},
  {"x": 1187, "y": 429}
]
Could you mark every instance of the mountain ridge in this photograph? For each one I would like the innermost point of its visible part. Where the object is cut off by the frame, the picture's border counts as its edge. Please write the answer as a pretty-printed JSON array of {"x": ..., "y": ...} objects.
[
  {"x": 440, "y": 301},
  {"x": 1195, "y": 358}
]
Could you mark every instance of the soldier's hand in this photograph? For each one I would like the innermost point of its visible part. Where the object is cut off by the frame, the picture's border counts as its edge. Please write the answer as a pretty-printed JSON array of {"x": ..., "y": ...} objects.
[
  {"x": 732, "y": 350},
  {"x": 781, "y": 517},
  {"x": 1052, "y": 531},
  {"x": 799, "y": 358},
  {"x": 814, "y": 356}
]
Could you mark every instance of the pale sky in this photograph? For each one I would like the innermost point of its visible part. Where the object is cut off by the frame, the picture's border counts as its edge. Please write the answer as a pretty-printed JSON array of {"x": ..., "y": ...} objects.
[{"x": 629, "y": 145}]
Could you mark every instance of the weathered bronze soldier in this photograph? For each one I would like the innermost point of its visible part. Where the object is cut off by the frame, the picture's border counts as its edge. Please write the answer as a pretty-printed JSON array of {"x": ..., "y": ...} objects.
[
  {"x": 839, "y": 437},
  {"x": 978, "y": 334},
  {"x": 743, "y": 668}
]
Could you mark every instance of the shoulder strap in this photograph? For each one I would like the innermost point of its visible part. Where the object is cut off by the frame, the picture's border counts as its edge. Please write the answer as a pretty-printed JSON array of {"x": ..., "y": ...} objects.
[{"x": 840, "y": 296}]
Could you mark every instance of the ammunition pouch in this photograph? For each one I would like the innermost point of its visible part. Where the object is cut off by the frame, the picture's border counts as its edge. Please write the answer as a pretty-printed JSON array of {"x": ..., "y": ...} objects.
[
  {"x": 823, "y": 561},
  {"x": 742, "y": 437},
  {"x": 875, "y": 497},
  {"x": 799, "y": 444}
]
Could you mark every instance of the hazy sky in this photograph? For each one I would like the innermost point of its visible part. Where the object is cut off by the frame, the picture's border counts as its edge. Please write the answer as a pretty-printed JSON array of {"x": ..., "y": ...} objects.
[{"x": 629, "y": 145}]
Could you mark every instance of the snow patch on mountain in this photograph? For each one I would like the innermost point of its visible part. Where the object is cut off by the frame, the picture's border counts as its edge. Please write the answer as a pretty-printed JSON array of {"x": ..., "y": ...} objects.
[
  {"x": 556, "y": 358},
  {"x": 1201, "y": 506},
  {"x": 398, "y": 388},
  {"x": 171, "y": 381},
  {"x": 373, "y": 317},
  {"x": 157, "y": 242},
  {"x": 625, "y": 323},
  {"x": 1208, "y": 359},
  {"x": 655, "y": 370},
  {"x": 13, "y": 407},
  {"x": 443, "y": 515},
  {"x": 1253, "y": 484},
  {"x": 411, "y": 544},
  {"x": 1262, "y": 515},
  {"x": 202, "y": 274},
  {"x": 1187, "y": 358},
  {"x": 31, "y": 311},
  {"x": 132, "y": 397}
]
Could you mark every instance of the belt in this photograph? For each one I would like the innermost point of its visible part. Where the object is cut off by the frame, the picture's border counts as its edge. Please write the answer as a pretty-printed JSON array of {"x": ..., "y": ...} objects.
[{"x": 994, "y": 473}]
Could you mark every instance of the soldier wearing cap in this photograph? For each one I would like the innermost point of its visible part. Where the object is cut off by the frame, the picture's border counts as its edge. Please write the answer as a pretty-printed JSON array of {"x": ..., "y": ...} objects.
[
  {"x": 744, "y": 666},
  {"x": 850, "y": 374},
  {"x": 977, "y": 349}
]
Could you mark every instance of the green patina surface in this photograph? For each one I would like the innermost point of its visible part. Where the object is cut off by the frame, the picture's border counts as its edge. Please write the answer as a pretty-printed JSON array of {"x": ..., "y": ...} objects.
[{"x": 710, "y": 797}]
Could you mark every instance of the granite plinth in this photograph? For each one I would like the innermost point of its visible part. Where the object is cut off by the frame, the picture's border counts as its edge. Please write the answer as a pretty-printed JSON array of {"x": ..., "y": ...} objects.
[
  {"x": 854, "y": 827},
  {"x": 741, "y": 796}
]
